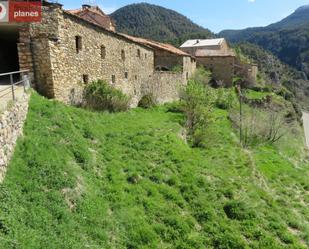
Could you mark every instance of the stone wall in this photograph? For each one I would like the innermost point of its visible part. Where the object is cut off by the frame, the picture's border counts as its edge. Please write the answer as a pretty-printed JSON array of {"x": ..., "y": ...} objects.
[
  {"x": 222, "y": 68},
  {"x": 166, "y": 86},
  {"x": 167, "y": 60},
  {"x": 62, "y": 70},
  {"x": 247, "y": 71},
  {"x": 11, "y": 125},
  {"x": 164, "y": 59},
  {"x": 189, "y": 67}
]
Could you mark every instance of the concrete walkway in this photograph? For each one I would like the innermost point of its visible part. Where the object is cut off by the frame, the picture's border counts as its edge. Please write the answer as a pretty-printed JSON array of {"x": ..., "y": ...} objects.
[
  {"x": 306, "y": 126},
  {"x": 18, "y": 90}
]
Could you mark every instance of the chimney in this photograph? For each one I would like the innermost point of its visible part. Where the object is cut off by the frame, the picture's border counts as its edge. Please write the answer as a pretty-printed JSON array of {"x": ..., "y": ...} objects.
[{"x": 86, "y": 6}]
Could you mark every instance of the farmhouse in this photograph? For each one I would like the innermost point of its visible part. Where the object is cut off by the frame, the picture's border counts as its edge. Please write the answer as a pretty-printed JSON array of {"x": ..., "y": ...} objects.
[
  {"x": 96, "y": 15},
  {"x": 216, "y": 56},
  {"x": 68, "y": 49}
]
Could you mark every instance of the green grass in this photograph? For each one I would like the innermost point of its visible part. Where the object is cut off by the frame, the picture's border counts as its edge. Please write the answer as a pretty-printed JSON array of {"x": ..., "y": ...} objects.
[
  {"x": 81, "y": 179},
  {"x": 251, "y": 94}
]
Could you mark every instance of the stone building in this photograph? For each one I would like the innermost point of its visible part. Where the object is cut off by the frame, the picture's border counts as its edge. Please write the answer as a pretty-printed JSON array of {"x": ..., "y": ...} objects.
[
  {"x": 96, "y": 15},
  {"x": 216, "y": 56},
  {"x": 173, "y": 68},
  {"x": 66, "y": 50}
]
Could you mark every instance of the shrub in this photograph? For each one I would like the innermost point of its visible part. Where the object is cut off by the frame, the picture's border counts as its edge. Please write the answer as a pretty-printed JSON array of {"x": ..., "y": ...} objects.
[
  {"x": 226, "y": 98},
  {"x": 99, "y": 95},
  {"x": 197, "y": 100},
  {"x": 177, "y": 69},
  {"x": 259, "y": 127},
  {"x": 202, "y": 76},
  {"x": 237, "y": 210},
  {"x": 147, "y": 101},
  {"x": 174, "y": 107}
]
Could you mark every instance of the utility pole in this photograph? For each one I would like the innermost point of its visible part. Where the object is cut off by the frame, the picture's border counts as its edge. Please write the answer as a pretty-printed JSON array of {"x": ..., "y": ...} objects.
[{"x": 238, "y": 87}]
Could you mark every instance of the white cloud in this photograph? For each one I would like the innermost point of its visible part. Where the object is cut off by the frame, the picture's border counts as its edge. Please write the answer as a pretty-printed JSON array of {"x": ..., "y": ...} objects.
[{"x": 251, "y": 1}]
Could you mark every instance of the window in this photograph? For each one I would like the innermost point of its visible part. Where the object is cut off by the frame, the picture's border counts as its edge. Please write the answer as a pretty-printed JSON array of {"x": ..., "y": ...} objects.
[
  {"x": 123, "y": 55},
  {"x": 103, "y": 52},
  {"x": 126, "y": 75},
  {"x": 78, "y": 43},
  {"x": 113, "y": 78},
  {"x": 145, "y": 56},
  {"x": 187, "y": 75},
  {"x": 139, "y": 53},
  {"x": 85, "y": 78},
  {"x": 135, "y": 77}
]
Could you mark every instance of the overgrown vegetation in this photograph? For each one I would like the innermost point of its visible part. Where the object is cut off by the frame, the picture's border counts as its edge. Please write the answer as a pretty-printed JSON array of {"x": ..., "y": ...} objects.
[
  {"x": 147, "y": 101},
  {"x": 276, "y": 75},
  {"x": 81, "y": 179},
  {"x": 101, "y": 96},
  {"x": 128, "y": 180}
]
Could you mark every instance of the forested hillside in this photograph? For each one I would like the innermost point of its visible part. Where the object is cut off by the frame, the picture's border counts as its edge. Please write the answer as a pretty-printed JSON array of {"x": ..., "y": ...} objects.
[
  {"x": 157, "y": 23},
  {"x": 272, "y": 71},
  {"x": 287, "y": 39}
]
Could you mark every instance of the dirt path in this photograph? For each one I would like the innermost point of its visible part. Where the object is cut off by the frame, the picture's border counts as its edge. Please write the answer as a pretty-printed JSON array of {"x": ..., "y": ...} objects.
[{"x": 306, "y": 127}]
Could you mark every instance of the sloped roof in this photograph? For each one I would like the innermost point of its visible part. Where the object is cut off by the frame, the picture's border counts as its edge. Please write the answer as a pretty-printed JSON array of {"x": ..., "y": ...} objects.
[
  {"x": 94, "y": 14},
  {"x": 202, "y": 43},
  {"x": 94, "y": 9},
  {"x": 158, "y": 45},
  {"x": 214, "y": 53}
]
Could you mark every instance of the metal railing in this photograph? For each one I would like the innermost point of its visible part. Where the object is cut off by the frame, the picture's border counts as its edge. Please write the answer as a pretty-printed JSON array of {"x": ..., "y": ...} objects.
[{"x": 24, "y": 80}]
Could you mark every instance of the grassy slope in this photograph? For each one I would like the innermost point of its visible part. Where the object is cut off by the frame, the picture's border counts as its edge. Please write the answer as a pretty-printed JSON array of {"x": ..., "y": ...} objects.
[{"x": 87, "y": 180}]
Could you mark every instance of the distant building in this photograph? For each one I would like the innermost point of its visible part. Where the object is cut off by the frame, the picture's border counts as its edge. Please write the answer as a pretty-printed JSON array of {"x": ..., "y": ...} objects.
[{"x": 216, "y": 56}]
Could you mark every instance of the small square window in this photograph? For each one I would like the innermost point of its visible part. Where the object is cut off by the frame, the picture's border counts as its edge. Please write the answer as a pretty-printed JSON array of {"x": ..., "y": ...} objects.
[
  {"x": 126, "y": 75},
  {"x": 113, "y": 78},
  {"x": 85, "y": 78}
]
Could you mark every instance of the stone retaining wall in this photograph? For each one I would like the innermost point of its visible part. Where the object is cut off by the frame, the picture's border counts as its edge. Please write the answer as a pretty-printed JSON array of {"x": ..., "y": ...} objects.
[
  {"x": 11, "y": 126},
  {"x": 166, "y": 86}
]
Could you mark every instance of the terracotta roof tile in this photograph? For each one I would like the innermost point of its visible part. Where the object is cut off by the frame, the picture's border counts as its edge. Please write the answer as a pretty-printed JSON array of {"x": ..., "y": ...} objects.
[
  {"x": 96, "y": 15},
  {"x": 158, "y": 45}
]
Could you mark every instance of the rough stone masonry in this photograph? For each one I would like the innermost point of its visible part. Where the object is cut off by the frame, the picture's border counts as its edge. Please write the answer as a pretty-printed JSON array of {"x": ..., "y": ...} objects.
[
  {"x": 11, "y": 127},
  {"x": 65, "y": 52}
]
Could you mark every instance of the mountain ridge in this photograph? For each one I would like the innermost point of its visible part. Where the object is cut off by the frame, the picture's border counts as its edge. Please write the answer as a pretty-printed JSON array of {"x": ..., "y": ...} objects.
[
  {"x": 157, "y": 23},
  {"x": 288, "y": 39}
]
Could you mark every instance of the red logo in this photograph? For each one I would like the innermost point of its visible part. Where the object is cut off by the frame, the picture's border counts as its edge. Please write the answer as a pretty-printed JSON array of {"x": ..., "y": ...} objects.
[{"x": 25, "y": 11}]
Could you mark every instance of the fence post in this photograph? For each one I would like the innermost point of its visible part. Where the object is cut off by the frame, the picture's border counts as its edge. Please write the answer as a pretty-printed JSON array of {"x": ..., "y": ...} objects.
[{"x": 12, "y": 85}]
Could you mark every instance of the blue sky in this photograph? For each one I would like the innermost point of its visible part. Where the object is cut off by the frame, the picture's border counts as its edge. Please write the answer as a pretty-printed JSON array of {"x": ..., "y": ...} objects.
[{"x": 213, "y": 14}]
